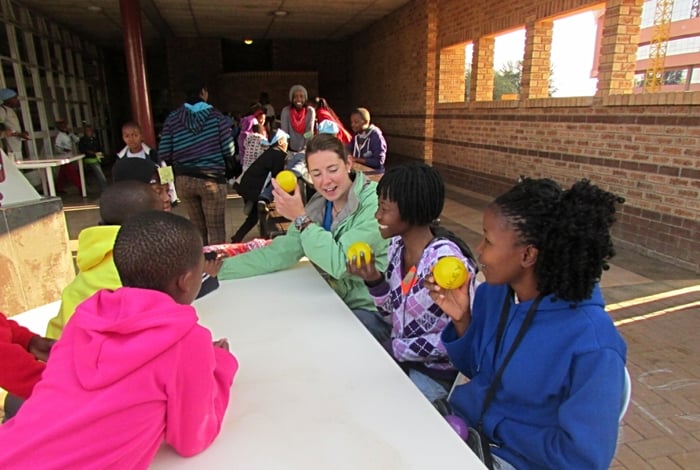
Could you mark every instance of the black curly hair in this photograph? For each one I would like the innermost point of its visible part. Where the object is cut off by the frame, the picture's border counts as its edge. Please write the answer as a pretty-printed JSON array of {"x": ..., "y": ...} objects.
[
  {"x": 417, "y": 189},
  {"x": 570, "y": 228},
  {"x": 153, "y": 248}
]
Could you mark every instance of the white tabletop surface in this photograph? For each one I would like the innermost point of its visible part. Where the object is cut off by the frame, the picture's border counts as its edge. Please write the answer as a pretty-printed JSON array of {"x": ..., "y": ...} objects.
[
  {"x": 43, "y": 162},
  {"x": 314, "y": 389}
]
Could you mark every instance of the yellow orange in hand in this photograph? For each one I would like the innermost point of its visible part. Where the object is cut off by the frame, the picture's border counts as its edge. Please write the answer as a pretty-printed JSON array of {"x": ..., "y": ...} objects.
[
  {"x": 287, "y": 180},
  {"x": 449, "y": 272},
  {"x": 357, "y": 248}
]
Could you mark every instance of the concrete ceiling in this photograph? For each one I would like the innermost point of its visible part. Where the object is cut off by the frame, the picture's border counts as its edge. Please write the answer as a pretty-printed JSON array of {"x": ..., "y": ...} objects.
[{"x": 236, "y": 20}]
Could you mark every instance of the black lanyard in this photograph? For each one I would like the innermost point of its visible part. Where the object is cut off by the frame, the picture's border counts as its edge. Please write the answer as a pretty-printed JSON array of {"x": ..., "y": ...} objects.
[{"x": 491, "y": 392}]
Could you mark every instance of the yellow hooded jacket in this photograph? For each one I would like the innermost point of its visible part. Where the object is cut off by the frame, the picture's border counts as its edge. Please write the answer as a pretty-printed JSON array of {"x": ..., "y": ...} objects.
[{"x": 96, "y": 271}]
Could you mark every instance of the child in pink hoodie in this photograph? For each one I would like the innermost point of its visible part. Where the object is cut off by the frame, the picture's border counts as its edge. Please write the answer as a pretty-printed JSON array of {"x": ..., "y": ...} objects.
[{"x": 133, "y": 367}]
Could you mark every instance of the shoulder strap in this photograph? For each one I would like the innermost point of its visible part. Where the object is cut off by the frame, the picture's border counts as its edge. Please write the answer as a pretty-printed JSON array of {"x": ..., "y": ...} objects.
[{"x": 491, "y": 392}]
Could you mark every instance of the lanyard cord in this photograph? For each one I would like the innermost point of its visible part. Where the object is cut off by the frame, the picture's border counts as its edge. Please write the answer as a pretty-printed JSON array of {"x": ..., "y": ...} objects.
[{"x": 491, "y": 392}]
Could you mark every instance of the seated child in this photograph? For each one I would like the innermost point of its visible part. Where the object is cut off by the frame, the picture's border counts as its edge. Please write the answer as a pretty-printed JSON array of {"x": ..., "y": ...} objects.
[
  {"x": 138, "y": 169},
  {"x": 545, "y": 361},
  {"x": 133, "y": 368},
  {"x": 409, "y": 323},
  {"x": 22, "y": 357},
  {"x": 94, "y": 260},
  {"x": 144, "y": 170},
  {"x": 90, "y": 146}
]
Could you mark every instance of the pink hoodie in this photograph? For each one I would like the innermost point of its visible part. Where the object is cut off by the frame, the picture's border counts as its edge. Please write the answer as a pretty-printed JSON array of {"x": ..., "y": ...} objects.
[{"x": 131, "y": 369}]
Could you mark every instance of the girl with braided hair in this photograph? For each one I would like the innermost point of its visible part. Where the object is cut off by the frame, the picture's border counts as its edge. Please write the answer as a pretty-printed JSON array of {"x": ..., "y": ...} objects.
[
  {"x": 545, "y": 361},
  {"x": 408, "y": 323}
]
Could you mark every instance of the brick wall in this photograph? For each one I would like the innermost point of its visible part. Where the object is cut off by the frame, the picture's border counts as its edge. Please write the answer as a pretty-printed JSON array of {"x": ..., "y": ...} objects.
[
  {"x": 643, "y": 147},
  {"x": 186, "y": 56}
]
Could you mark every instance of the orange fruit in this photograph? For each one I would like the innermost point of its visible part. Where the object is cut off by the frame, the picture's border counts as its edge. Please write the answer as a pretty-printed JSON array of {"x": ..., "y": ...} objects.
[
  {"x": 287, "y": 180},
  {"x": 357, "y": 248},
  {"x": 449, "y": 272}
]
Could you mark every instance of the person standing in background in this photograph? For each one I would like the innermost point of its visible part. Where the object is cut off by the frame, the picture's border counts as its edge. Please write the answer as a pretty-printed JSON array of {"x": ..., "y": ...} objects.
[
  {"x": 270, "y": 115},
  {"x": 298, "y": 119},
  {"x": 13, "y": 134},
  {"x": 196, "y": 140}
]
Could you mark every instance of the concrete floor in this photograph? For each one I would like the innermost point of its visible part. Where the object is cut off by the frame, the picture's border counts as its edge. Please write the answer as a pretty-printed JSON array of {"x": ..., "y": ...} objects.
[{"x": 656, "y": 306}]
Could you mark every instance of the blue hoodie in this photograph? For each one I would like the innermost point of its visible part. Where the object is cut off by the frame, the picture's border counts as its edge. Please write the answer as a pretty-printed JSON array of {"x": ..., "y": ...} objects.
[{"x": 561, "y": 393}]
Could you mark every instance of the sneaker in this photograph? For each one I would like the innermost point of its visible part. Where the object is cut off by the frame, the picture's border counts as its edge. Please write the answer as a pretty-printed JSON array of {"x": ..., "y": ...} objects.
[{"x": 262, "y": 207}]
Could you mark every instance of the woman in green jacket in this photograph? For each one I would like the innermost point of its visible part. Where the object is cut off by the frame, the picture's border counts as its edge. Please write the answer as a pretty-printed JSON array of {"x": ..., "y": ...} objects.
[{"x": 340, "y": 213}]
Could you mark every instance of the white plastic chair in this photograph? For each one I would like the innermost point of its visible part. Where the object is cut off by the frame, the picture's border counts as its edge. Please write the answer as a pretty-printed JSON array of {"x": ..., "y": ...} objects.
[{"x": 626, "y": 394}]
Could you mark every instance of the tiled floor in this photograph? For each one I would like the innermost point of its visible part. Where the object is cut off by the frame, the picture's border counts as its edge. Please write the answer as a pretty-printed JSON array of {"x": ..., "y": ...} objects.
[{"x": 657, "y": 309}]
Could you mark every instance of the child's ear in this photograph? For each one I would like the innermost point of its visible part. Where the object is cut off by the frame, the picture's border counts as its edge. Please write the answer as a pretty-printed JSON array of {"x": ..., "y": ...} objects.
[
  {"x": 529, "y": 256},
  {"x": 184, "y": 279}
]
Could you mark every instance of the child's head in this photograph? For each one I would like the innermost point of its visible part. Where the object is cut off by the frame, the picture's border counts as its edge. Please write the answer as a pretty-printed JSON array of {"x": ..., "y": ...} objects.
[
  {"x": 88, "y": 130},
  {"x": 257, "y": 129},
  {"x": 126, "y": 198},
  {"x": 414, "y": 194},
  {"x": 131, "y": 133},
  {"x": 145, "y": 171},
  {"x": 562, "y": 236},
  {"x": 147, "y": 259}
]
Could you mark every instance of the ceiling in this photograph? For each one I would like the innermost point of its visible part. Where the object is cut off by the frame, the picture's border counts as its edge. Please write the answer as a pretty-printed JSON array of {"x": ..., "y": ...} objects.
[{"x": 236, "y": 20}]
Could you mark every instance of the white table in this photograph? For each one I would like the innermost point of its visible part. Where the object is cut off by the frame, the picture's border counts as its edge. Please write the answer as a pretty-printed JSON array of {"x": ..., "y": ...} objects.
[
  {"x": 314, "y": 390},
  {"x": 47, "y": 164}
]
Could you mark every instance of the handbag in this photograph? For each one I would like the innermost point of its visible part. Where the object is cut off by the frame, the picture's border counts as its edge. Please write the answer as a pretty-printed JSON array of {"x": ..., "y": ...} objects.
[{"x": 476, "y": 438}]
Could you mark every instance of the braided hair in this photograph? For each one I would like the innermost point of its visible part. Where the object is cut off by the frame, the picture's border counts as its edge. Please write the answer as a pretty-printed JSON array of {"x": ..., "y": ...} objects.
[
  {"x": 570, "y": 228},
  {"x": 417, "y": 189},
  {"x": 153, "y": 248}
]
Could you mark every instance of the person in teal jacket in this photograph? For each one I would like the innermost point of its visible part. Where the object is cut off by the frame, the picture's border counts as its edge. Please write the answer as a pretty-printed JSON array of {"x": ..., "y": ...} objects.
[{"x": 340, "y": 213}]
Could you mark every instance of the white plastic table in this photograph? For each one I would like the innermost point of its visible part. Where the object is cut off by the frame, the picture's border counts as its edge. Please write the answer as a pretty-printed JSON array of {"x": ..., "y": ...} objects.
[
  {"x": 47, "y": 164},
  {"x": 315, "y": 390}
]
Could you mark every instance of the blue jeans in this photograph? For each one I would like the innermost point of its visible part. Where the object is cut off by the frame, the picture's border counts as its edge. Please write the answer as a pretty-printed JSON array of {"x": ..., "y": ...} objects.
[
  {"x": 428, "y": 387},
  {"x": 97, "y": 171}
]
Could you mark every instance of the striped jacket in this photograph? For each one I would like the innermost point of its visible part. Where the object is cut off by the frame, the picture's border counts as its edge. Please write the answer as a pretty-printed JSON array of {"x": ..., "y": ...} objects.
[{"x": 196, "y": 140}]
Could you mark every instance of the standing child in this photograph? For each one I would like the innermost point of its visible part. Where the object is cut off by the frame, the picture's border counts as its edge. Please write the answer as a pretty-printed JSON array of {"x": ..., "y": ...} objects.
[
  {"x": 545, "y": 360},
  {"x": 411, "y": 198},
  {"x": 113, "y": 370},
  {"x": 136, "y": 148}
]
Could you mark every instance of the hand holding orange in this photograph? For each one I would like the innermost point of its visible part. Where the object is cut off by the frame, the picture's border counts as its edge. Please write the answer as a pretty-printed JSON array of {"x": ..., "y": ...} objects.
[
  {"x": 357, "y": 248},
  {"x": 287, "y": 180},
  {"x": 449, "y": 272}
]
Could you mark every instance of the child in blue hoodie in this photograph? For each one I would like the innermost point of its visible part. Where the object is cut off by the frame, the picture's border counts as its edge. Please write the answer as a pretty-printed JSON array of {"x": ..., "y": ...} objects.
[{"x": 558, "y": 400}]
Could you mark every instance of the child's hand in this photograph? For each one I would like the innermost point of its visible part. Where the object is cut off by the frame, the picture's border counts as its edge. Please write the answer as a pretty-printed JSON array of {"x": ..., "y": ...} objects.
[
  {"x": 454, "y": 302},
  {"x": 288, "y": 205},
  {"x": 366, "y": 269},
  {"x": 41, "y": 347},
  {"x": 221, "y": 343},
  {"x": 212, "y": 266}
]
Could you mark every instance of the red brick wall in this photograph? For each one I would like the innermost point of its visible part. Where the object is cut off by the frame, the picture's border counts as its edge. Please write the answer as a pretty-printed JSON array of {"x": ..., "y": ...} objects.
[{"x": 644, "y": 148}]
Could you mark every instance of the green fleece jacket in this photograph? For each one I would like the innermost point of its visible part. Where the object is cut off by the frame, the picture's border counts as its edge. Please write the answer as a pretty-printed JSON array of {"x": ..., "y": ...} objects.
[
  {"x": 96, "y": 271},
  {"x": 355, "y": 223}
]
